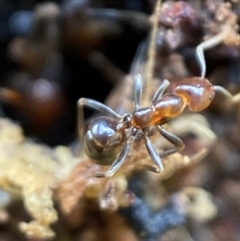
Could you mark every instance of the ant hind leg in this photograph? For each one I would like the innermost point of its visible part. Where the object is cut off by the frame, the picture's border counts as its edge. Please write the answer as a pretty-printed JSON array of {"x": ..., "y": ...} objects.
[
  {"x": 119, "y": 161},
  {"x": 137, "y": 91},
  {"x": 93, "y": 104},
  {"x": 155, "y": 157},
  {"x": 176, "y": 141}
]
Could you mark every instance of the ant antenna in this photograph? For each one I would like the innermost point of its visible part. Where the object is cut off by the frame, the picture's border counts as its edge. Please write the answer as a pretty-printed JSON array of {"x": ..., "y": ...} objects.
[{"x": 209, "y": 44}]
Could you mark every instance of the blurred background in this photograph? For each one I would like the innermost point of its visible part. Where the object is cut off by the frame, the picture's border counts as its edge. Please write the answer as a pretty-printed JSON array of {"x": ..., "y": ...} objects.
[
  {"x": 53, "y": 53},
  {"x": 48, "y": 58}
]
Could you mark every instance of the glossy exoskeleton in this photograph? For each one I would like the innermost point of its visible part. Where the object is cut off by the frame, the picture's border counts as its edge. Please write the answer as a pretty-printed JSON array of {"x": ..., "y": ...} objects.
[{"x": 108, "y": 139}]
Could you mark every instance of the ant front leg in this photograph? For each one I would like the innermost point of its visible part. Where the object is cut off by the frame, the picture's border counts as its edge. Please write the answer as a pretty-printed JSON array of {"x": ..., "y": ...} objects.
[
  {"x": 175, "y": 140},
  {"x": 227, "y": 94},
  {"x": 93, "y": 104},
  {"x": 160, "y": 90}
]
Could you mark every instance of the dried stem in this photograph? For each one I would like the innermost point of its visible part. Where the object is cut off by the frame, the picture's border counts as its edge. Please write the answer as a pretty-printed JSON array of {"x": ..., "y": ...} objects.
[{"x": 151, "y": 55}]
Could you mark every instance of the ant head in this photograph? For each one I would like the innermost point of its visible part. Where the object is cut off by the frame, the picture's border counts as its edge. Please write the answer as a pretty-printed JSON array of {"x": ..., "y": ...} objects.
[
  {"x": 103, "y": 141},
  {"x": 198, "y": 92}
]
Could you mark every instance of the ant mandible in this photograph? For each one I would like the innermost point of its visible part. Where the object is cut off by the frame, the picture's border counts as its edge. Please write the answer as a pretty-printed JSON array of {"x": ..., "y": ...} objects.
[{"x": 108, "y": 139}]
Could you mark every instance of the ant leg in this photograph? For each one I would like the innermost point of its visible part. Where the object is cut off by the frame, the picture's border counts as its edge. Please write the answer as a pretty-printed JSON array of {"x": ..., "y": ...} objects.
[
  {"x": 93, "y": 104},
  {"x": 209, "y": 44},
  {"x": 119, "y": 161},
  {"x": 176, "y": 141},
  {"x": 155, "y": 157},
  {"x": 220, "y": 89},
  {"x": 137, "y": 91},
  {"x": 98, "y": 106},
  {"x": 160, "y": 90}
]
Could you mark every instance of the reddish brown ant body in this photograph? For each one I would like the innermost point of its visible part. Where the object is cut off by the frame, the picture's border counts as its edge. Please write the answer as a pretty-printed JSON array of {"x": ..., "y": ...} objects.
[{"x": 108, "y": 139}]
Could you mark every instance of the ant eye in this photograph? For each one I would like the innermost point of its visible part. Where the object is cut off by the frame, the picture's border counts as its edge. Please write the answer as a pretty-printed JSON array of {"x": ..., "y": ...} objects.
[
  {"x": 211, "y": 96},
  {"x": 102, "y": 141}
]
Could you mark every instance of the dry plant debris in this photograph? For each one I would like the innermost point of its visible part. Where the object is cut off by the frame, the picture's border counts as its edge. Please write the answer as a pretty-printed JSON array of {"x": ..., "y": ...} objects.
[
  {"x": 57, "y": 187},
  {"x": 31, "y": 171}
]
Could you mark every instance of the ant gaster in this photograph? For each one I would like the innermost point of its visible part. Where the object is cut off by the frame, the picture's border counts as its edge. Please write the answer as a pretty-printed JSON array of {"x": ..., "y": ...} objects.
[{"x": 108, "y": 139}]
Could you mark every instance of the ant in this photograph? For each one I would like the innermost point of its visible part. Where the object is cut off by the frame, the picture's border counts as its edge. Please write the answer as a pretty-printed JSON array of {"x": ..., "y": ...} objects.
[{"x": 108, "y": 139}]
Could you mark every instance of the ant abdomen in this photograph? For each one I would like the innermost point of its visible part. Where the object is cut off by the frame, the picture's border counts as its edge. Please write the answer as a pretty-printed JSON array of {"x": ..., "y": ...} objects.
[
  {"x": 102, "y": 141},
  {"x": 197, "y": 92}
]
